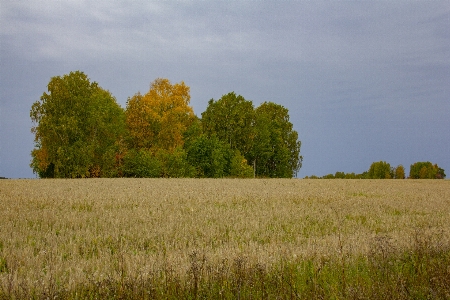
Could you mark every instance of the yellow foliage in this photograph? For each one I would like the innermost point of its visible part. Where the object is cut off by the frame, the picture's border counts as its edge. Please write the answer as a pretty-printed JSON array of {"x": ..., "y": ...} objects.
[{"x": 158, "y": 119}]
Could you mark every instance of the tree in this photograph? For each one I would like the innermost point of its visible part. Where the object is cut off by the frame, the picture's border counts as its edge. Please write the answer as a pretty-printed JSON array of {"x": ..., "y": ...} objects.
[
  {"x": 276, "y": 148},
  {"x": 210, "y": 156},
  {"x": 78, "y": 128},
  {"x": 426, "y": 170},
  {"x": 380, "y": 170},
  {"x": 239, "y": 167},
  {"x": 175, "y": 164},
  {"x": 231, "y": 119},
  {"x": 141, "y": 163},
  {"x": 158, "y": 119},
  {"x": 400, "y": 172}
]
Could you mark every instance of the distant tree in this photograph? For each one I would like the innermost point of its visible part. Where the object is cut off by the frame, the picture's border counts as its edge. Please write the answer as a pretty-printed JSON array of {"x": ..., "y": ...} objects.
[
  {"x": 380, "y": 170},
  {"x": 340, "y": 175},
  {"x": 426, "y": 170},
  {"x": 78, "y": 128},
  {"x": 350, "y": 176},
  {"x": 399, "y": 172},
  {"x": 159, "y": 119}
]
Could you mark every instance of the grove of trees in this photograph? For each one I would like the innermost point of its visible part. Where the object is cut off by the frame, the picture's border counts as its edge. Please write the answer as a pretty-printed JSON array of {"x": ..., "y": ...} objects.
[
  {"x": 383, "y": 170},
  {"x": 81, "y": 131}
]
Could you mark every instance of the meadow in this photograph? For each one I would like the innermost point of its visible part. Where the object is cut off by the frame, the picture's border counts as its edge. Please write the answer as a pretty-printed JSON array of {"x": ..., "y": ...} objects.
[{"x": 224, "y": 239}]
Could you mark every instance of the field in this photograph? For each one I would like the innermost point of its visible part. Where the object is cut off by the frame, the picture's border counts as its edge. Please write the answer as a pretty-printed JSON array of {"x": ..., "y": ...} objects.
[{"x": 224, "y": 238}]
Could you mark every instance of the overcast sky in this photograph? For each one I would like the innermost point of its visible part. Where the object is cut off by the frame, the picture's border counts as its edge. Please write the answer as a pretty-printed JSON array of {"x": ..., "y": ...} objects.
[{"x": 364, "y": 81}]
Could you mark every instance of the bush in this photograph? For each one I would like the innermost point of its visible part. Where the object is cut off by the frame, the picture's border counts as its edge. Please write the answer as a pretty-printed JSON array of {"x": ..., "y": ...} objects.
[
  {"x": 174, "y": 164},
  {"x": 141, "y": 163},
  {"x": 239, "y": 167}
]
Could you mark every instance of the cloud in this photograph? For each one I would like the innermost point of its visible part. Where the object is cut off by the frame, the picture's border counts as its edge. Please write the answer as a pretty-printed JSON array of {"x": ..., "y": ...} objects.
[{"x": 353, "y": 66}]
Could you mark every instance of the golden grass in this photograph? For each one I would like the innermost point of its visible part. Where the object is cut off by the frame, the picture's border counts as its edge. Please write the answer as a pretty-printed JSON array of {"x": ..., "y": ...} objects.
[{"x": 72, "y": 232}]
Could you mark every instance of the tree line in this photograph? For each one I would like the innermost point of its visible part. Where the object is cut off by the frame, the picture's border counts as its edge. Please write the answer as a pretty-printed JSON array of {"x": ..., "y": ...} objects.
[
  {"x": 383, "y": 170},
  {"x": 80, "y": 131}
]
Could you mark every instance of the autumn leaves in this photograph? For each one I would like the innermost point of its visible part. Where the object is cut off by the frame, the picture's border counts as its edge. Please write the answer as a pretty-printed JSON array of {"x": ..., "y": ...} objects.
[{"x": 81, "y": 131}]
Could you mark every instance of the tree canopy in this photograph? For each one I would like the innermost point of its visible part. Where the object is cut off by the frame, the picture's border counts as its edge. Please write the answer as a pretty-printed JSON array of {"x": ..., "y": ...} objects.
[
  {"x": 81, "y": 131},
  {"x": 426, "y": 170},
  {"x": 78, "y": 129},
  {"x": 276, "y": 148},
  {"x": 158, "y": 119}
]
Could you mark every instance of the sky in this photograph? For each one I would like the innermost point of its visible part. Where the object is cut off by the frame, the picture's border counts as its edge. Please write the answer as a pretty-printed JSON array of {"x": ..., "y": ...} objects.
[{"x": 363, "y": 81}]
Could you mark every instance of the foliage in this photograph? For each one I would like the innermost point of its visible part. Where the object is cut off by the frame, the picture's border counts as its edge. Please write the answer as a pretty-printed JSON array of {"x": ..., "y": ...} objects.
[
  {"x": 158, "y": 119},
  {"x": 81, "y": 131},
  {"x": 399, "y": 172},
  {"x": 210, "y": 156},
  {"x": 141, "y": 163},
  {"x": 174, "y": 164},
  {"x": 426, "y": 170},
  {"x": 380, "y": 170},
  {"x": 78, "y": 128},
  {"x": 239, "y": 167},
  {"x": 276, "y": 149},
  {"x": 231, "y": 119}
]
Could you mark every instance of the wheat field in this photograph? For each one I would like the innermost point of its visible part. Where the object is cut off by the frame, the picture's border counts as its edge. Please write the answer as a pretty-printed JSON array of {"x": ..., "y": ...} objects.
[{"x": 58, "y": 235}]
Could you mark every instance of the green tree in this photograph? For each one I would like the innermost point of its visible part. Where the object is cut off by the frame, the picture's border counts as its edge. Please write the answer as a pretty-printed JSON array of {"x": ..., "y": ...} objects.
[
  {"x": 380, "y": 170},
  {"x": 141, "y": 163},
  {"x": 231, "y": 119},
  {"x": 426, "y": 170},
  {"x": 210, "y": 156},
  {"x": 276, "y": 148},
  {"x": 175, "y": 164},
  {"x": 239, "y": 167},
  {"x": 78, "y": 129}
]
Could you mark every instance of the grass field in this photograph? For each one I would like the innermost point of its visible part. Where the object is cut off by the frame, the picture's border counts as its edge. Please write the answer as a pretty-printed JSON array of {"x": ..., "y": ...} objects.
[{"x": 224, "y": 239}]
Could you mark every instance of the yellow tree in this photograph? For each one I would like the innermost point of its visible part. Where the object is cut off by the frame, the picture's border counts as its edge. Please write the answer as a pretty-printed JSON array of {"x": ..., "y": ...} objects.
[{"x": 158, "y": 119}]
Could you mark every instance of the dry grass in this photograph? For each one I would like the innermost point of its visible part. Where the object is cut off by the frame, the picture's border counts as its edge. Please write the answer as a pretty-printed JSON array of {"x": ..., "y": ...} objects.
[{"x": 58, "y": 236}]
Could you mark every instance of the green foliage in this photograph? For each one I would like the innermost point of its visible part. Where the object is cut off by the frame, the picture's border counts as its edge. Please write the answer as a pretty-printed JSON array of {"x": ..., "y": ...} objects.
[
  {"x": 380, "y": 170},
  {"x": 210, "y": 156},
  {"x": 276, "y": 149},
  {"x": 426, "y": 170},
  {"x": 81, "y": 131},
  {"x": 78, "y": 127},
  {"x": 231, "y": 119},
  {"x": 239, "y": 167},
  {"x": 141, "y": 163},
  {"x": 174, "y": 164}
]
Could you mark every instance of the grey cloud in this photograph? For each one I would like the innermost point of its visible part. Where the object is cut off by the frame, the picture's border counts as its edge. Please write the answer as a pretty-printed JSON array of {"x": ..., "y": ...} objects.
[{"x": 350, "y": 72}]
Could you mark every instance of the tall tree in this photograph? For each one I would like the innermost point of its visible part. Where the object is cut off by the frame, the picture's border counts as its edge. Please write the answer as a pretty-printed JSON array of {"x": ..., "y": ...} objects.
[
  {"x": 78, "y": 127},
  {"x": 400, "y": 172},
  {"x": 231, "y": 119},
  {"x": 276, "y": 148},
  {"x": 380, "y": 170},
  {"x": 158, "y": 119}
]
